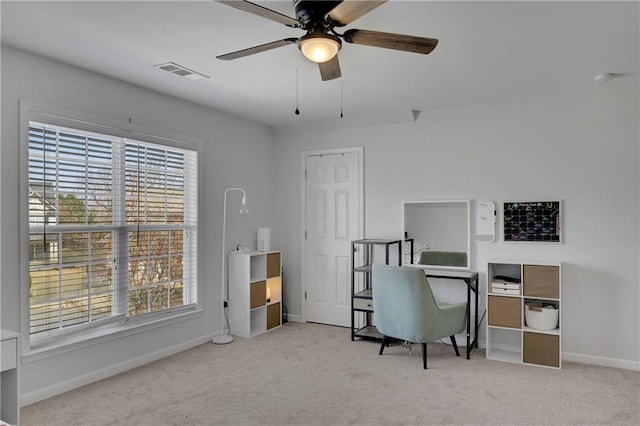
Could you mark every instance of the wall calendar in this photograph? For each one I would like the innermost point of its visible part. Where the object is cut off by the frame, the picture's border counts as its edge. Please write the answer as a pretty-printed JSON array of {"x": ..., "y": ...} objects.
[{"x": 533, "y": 221}]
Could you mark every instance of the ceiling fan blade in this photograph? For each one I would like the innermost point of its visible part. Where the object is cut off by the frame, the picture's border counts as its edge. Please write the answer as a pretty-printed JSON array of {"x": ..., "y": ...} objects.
[
  {"x": 406, "y": 43},
  {"x": 350, "y": 10},
  {"x": 331, "y": 69},
  {"x": 257, "y": 49},
  {"x": 256, "y": 9}
]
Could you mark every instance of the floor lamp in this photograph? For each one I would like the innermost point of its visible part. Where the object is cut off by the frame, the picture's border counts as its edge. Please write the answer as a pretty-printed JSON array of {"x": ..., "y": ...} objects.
[{"x": 226, "y": 335}]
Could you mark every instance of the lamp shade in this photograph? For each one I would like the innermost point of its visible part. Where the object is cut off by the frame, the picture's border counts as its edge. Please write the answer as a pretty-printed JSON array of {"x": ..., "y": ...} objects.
[{"x": 319, "y": 47}]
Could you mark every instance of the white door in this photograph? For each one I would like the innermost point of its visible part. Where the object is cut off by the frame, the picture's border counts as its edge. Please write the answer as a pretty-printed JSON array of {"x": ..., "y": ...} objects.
[{"x": 333, "y": 220}]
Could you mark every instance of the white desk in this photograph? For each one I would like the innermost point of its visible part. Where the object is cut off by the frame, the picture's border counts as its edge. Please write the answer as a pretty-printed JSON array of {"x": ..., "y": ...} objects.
[{"x": 9, "y": 361}]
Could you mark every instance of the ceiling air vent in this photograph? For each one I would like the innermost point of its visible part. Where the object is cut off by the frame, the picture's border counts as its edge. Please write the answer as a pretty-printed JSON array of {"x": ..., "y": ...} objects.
[{"x": 176, "y": 69}]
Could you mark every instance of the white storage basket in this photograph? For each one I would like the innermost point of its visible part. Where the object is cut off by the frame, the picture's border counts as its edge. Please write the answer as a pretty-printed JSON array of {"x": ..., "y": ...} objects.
[{"x": 541, "y": 317}]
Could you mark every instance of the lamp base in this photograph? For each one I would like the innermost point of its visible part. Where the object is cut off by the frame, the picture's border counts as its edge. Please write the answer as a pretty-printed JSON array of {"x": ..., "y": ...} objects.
[{"x": 222, "y": 340}]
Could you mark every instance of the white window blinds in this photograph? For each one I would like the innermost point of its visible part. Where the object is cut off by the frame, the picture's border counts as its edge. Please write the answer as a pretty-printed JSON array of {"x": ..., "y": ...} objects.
[{"x": 112, "y": 228}]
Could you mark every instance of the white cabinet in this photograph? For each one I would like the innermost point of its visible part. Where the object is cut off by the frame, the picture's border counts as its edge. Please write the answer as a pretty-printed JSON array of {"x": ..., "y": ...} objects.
[
  {"x": 523, "y": 312},
  {"x": 9, "y": 391},
  {"x": 255, "y": 292}
]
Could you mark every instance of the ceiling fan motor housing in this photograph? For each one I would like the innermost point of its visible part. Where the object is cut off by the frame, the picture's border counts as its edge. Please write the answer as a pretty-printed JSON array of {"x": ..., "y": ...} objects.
[{"x": 310, "y": 12}]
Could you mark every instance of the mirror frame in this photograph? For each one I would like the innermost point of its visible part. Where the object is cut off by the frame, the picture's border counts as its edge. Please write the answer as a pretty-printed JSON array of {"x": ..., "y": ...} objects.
[{"x": 463, "y": 203}]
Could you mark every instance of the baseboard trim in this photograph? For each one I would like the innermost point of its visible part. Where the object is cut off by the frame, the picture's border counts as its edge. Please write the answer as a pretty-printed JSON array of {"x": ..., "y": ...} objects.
[
  {"x": 601, "y": 361},
  {"x": 76, "y": 382},
  {"x": 294, "y": 318}
]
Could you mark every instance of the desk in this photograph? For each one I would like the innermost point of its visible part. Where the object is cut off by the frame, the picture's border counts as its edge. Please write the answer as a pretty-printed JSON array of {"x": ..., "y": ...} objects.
[
  {"x": 471, "y": 278},
  {"x": 9, "y": 388}
]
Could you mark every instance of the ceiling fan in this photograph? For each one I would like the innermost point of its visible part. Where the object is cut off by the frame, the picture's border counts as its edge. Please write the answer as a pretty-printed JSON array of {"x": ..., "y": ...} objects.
[{"x": 322, "y": 42}]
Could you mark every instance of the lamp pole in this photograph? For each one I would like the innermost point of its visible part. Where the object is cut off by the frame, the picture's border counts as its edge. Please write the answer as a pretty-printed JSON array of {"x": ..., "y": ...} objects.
[{"x": 226, "y": 334}]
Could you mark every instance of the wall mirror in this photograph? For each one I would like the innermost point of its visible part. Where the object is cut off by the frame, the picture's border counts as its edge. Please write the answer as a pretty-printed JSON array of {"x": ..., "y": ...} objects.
[{"x": 441, "y": 233}]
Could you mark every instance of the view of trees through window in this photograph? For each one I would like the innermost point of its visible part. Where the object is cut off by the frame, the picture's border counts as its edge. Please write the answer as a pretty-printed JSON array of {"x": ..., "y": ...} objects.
[{"x": 112, "y": 227}]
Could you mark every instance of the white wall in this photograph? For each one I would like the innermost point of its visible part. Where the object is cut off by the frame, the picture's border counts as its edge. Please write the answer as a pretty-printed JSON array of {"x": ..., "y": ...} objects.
[
  {"x": 234, "y": 153},
  {"x": 581, "y": 148}
]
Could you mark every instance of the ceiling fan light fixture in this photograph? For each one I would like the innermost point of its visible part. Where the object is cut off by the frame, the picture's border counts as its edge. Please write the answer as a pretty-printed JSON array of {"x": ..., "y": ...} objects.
[{"x": 319, "y": 47}]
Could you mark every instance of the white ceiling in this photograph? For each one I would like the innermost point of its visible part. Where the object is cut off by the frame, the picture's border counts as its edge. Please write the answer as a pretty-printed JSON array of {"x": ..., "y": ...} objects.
[{"x": 488, "y": 51}]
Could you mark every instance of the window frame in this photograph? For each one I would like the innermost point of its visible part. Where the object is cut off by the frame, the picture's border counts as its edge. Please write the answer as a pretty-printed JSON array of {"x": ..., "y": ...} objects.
[{"x": 84, "y": 334}]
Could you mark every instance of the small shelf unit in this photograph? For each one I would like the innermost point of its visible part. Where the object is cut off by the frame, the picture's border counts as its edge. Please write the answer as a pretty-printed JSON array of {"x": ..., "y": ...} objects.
[
  {"x": 362, "y": 257},
  {"x": 511, "y": 285},
  {"x": 255, "y": 292}
]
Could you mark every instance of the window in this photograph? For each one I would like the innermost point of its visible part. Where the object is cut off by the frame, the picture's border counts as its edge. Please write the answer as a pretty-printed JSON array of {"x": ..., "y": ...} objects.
[{"x": 112, "y": 228}]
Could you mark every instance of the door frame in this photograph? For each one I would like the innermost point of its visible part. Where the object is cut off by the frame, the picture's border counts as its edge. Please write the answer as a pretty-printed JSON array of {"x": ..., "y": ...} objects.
[{"x": 305, "y": 154}]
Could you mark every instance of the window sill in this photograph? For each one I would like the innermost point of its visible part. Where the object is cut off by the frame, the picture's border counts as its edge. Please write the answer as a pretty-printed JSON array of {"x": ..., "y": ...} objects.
[{"x": 119, "y": 330}]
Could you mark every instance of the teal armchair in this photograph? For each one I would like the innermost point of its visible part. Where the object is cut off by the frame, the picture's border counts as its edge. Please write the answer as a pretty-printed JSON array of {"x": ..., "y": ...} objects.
[{"x": 405, "y": 309}]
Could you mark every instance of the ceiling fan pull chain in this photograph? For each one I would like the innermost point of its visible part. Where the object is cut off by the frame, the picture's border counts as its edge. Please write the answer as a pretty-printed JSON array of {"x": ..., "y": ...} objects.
[
  {"x": 341, "y": 101},
  {"x": 297, "y": 111}
]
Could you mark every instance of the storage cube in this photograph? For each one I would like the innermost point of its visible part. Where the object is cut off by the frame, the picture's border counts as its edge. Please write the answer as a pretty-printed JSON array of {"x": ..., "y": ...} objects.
[
  {"x": 504, "y": 311},
  {"x": 541, "y": 281},
  {"x": 541, "y": 349},
  {"x": 258, "y": 294}
]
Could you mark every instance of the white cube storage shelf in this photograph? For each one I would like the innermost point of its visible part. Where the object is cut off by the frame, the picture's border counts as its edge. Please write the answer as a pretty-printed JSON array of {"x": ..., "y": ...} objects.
[
  {"x": 255, "y": 292},
  {"x": 509, "y": 337}
]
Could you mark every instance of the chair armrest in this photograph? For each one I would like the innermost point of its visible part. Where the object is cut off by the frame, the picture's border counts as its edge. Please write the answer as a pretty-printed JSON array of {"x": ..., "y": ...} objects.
[
  {"x": 452, "y": 306},
  {"x": 451, "y": 319}
]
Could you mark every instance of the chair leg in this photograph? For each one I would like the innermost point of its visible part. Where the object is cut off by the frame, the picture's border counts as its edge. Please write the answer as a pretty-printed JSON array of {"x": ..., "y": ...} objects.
[
  {"x": 385, "y": 342},
  {"x": 455, "y": 345},
  {"x": 424, "y": 355}
]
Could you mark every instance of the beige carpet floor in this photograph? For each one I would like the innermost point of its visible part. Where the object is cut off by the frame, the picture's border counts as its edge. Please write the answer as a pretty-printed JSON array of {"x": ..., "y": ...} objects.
[{"x": 309, "y": 374}]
